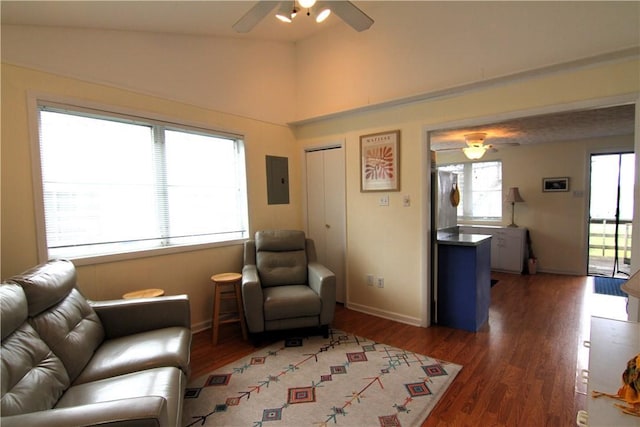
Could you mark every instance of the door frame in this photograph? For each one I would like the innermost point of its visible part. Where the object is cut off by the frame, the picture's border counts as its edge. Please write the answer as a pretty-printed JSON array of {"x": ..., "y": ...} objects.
[{"x": 631, "y": 98}]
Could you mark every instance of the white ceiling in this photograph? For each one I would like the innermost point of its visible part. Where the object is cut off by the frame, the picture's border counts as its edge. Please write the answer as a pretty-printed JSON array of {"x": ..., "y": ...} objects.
[
  {"x": 215, "y": 18},
  {"x": 204, "y": 18}
]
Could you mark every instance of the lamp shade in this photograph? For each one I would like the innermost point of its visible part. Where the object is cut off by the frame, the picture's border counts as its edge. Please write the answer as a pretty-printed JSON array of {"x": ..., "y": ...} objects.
[
  {"x": 474, "y": 152},
  {"x": 632, "y": 285},
  {"x": 514, "y": 196}
]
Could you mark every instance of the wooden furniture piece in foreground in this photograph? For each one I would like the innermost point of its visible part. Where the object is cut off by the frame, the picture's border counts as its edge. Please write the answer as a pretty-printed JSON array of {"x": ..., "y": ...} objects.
[
  {"x": 227, "y": 287},
  {"x": 144, "y": 293}
]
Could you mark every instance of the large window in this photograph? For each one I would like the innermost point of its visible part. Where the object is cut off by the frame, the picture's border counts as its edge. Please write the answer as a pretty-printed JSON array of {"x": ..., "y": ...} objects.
[
  {"x": 114, "y": 184},
  {"x": 480, "y": 185}
]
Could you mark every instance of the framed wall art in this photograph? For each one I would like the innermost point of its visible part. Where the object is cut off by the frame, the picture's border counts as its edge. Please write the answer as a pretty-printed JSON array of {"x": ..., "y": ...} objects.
[
  {"x": 555, "y": 184},
  {"x": 380, "y": 161}
]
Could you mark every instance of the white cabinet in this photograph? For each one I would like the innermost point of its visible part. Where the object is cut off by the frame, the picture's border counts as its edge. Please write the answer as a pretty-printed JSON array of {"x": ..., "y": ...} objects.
[{"x": 508, "y": 246}]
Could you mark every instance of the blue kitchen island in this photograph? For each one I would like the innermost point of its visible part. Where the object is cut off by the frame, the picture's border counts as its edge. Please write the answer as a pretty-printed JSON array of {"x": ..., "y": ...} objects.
[{"x": 464, "y": 280}]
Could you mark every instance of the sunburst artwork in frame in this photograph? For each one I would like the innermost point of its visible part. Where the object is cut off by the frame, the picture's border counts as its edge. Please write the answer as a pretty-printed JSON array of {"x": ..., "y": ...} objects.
[{"x": 380, "y": 161}]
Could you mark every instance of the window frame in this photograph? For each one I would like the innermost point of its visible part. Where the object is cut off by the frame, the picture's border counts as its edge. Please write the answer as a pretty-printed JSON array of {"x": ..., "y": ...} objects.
[
  {"x": 36, "y": 100},
  {"x": 466, "y": 194}
]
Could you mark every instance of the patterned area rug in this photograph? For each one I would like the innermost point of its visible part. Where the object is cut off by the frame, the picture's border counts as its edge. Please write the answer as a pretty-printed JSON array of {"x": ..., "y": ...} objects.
[{"x": 343, "y": 380}]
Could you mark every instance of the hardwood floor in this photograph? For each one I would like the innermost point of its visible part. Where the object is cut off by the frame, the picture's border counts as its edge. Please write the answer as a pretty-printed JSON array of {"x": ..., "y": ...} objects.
[{"x": 521, "y": 369}]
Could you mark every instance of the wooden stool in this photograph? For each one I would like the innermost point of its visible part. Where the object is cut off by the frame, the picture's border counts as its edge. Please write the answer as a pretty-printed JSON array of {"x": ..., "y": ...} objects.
[
  {"x": 227, "y": 286},
  {"x": 144, "y": 293}
]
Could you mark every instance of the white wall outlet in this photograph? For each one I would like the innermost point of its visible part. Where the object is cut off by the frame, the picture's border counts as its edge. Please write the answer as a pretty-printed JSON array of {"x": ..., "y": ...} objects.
[
  {"x": 369, "y": 279},
  {"x": 381, "y": 282},
  {"x": 383, "y": 200}
]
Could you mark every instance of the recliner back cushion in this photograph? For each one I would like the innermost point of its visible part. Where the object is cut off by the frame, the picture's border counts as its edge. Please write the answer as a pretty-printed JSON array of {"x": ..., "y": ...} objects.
[
  {"x": 32, "y": 377},
  {"x": 281, "y": 257}
]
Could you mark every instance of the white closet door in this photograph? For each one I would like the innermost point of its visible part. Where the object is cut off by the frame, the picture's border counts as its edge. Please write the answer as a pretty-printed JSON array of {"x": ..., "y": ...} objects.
[
  {"x": 326, "y": 211},
  {"x": 315, "y": 201},
  {"x": 334, "y": 208}
]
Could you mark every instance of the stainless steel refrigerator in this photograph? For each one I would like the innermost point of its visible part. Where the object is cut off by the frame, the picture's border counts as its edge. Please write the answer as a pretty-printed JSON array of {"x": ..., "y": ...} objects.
[{"x": 444, "y": 220}]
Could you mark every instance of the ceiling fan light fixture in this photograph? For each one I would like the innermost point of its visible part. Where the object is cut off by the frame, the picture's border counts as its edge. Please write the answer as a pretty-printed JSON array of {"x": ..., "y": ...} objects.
[
  {"x": 285, "y": 14},
  {"x": 476, "y": 138},
  {"x": 475, "y": 148},
  {"x": 306, "y": 4},
  {"x": 474, "y": 152},
  {"x": 322, "y": 13}
]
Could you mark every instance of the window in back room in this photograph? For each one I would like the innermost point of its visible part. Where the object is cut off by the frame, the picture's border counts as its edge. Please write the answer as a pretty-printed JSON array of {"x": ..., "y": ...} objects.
[{"x": 480, "y": 185}]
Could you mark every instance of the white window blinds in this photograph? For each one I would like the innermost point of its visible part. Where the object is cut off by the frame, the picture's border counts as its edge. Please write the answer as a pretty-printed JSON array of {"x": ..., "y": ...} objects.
[{"x": 114, "y": 185}]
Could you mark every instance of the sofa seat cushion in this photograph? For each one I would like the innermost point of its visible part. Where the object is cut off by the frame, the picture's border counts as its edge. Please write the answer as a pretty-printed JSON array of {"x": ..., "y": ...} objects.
[
  {"x": 285, "y": 302},
  {"x": 167, "y": 347},
  {"x": 168, "y": 383}
]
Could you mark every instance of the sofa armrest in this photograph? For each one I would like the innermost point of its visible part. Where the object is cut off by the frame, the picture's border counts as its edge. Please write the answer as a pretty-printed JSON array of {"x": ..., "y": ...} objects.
[
  {"x": 131, "y": 316},
  {"x": 148, "y": 411},
  {"x": 252, "y": 299},
  {"x": 323, "y": 282}
]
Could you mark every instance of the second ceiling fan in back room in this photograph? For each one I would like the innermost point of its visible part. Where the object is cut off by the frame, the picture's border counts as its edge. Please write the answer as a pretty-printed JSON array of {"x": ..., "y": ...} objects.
[
  {"x": 286, "y": 11},
  {"x": 476, "y": 147}
]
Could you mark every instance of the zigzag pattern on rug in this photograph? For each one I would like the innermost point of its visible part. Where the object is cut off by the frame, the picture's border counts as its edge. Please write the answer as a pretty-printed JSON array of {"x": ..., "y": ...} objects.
[{"x": 343, "y": 380}]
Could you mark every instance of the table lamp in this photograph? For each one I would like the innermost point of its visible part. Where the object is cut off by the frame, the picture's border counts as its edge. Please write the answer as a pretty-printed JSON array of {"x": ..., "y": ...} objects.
[{"x": 513, "y": 197}]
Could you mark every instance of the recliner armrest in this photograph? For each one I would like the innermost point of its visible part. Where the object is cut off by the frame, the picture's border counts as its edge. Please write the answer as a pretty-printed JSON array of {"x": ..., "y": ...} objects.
[
  {"x": 323, "y": 282},
  {"x": 252, "y": 298},
  {"x": 126, "y": 317},
  {"x": 148, "y": 411}
]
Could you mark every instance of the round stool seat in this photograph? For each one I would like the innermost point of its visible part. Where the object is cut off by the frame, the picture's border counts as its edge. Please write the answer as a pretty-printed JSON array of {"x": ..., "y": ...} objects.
[{"x": 226, "y": 277}]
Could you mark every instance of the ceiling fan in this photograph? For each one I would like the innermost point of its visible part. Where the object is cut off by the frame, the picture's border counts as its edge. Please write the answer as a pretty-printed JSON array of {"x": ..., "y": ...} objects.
[
  {"x": 287, "y": 10},
  {"x": 476, "y": 147}
]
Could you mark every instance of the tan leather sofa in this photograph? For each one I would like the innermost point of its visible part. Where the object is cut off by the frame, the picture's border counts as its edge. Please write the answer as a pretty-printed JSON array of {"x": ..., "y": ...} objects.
[{"x": 67, "y": 361}]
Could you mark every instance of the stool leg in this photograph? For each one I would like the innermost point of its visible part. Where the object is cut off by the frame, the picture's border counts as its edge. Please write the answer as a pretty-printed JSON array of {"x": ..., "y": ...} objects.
[
  {"x": 216, "y": 313},
  {"x": 243, "y": 323}
]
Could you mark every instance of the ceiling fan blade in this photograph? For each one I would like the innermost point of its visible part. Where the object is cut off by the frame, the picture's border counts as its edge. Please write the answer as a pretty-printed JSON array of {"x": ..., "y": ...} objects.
[
  {"x": 254, "y": 15},
  {"x": 350, "y": 14}
]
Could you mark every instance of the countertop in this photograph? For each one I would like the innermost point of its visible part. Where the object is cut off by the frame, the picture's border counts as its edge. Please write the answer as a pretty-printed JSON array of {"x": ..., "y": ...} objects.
[{"x": 461, "y": 239}]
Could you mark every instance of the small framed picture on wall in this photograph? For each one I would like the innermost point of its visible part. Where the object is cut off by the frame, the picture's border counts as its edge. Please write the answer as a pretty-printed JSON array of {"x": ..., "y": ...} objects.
[{"x": 555, "y": 184}]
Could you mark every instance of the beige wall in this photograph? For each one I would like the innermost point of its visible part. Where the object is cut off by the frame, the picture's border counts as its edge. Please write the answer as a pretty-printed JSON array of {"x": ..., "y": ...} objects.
[
  {"x": 393, "y": 241},
  {"x": 248, "y": 78},
  {"x": 418, "y": 47},
  {"x": 187, "y": 272}
]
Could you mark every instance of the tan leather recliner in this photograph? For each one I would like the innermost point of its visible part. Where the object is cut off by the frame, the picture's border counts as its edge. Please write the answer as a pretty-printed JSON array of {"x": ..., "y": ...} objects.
[{"x": 283, "y": 285}]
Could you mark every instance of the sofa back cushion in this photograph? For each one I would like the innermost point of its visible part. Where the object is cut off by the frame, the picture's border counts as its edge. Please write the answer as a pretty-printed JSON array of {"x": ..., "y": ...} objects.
[
  {"x": 61, "y": 315},
  {"x": 281, "y": 257},
  {"x": 32, "y": 377},
  {"x": 47, "y": 284}
]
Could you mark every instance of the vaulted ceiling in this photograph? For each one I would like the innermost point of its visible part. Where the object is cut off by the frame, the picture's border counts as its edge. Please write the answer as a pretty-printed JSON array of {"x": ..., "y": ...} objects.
[{"x": 215, "y": 18}]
